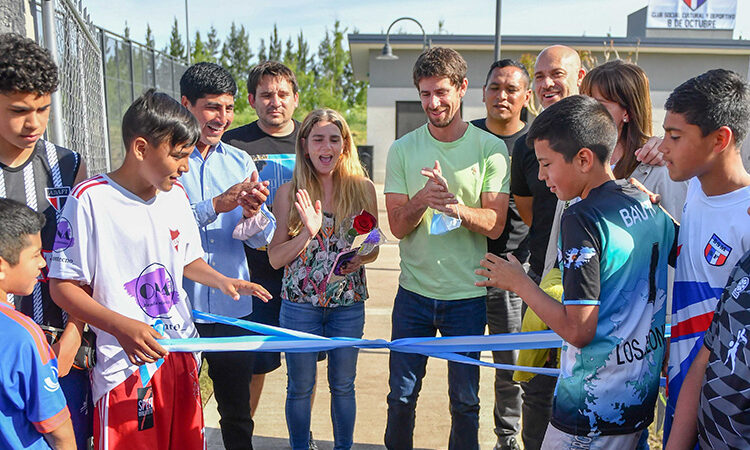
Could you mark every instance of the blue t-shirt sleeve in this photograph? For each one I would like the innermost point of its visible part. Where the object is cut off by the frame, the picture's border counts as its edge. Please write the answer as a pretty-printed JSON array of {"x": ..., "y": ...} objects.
[
  {"x": 44, "y": 400},
  {"x": 580, "y": 245}
]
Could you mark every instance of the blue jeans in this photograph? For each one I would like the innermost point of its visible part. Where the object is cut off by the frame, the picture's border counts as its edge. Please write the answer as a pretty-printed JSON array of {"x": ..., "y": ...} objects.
[
  {"x": 418, "y": 316},
  {"x": 342, "y": 321}
]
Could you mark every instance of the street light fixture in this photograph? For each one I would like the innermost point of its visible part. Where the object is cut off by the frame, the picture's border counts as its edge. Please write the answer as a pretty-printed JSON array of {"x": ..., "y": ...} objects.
[{"x": 387, "y": 52}]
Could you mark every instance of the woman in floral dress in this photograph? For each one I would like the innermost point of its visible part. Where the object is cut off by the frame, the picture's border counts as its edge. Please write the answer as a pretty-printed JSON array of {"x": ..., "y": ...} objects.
[{"x": 314, "y": 213}]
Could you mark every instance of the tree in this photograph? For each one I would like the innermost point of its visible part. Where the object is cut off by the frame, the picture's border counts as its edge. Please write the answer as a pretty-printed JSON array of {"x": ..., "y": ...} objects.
[
  {"x": 213, "y": 44},
  {"x": 235, "y": 57},
  {"x": 304, "y": 61},
  {"x": 149, "y": 37},
  {"x": 262, "y": 51},
  {"x": 274, "y": 45},
  {"x": 176, "y": 47},
  {"x": 199, "y": 52}
]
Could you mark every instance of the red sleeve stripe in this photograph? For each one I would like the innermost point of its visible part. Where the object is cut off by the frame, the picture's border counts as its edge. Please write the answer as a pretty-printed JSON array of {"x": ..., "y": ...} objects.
[
  {"x": 36, "y": 333},
  {"x": 85, "y": 182},
  {"x": 54, "y": 422},
  {"x": 177, "y": 183},
  {"x": 80, "y": 192}
]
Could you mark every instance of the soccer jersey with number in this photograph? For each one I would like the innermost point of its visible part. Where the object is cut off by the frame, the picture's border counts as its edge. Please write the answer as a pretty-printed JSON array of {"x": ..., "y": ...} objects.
[
  {"x": 132, "y": 253},
  {"x": 714, "y": 234},
  {"x": 725, "y": 395},
  {"x": 614, "y": 250}
]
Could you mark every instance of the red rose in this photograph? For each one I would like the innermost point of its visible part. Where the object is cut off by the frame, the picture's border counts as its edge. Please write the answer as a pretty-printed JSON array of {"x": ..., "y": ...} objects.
[{"x": 364, "y": 222}]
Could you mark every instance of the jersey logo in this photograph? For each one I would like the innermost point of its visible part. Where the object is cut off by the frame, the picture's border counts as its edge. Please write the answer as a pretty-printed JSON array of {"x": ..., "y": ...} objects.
[
  {"x": 51, "y": 384},
  {"x": 716, "y": 251},
  {"x": 175, "y": 236},
  {"x": 741, "y": 286},
  {"x": 734, "y": 345},
  {"x": 154, "y": 290},
  {"x": 63, "y": 236},
  {"x": 56, "y": 196},
  {"x": 576, "y": 258}
]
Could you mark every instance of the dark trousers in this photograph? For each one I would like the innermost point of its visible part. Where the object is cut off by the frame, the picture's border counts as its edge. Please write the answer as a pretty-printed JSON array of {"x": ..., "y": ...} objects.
[
  {"x": 231, "y": 373},
  {"x": 504, "y": 316}
]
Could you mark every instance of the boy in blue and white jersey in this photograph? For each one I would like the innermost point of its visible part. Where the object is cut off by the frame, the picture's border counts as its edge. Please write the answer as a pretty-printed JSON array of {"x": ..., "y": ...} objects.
[
  {"x": 708, "y": 118},
  {"x": 614, "y": 249}
]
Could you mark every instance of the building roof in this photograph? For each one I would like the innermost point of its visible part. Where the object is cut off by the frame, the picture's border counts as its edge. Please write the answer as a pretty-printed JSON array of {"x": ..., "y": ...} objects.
[{"x": 360, "y": 45}]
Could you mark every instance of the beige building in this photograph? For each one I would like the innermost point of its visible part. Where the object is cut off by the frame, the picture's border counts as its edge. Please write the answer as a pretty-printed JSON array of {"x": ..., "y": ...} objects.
[{"x": 393, "y": 107}]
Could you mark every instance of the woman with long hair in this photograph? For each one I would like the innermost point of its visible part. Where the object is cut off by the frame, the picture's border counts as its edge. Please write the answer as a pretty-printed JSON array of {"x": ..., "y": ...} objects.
[
  {"x": 623, "y": 89},
  {"x": 314, "y": 212}
]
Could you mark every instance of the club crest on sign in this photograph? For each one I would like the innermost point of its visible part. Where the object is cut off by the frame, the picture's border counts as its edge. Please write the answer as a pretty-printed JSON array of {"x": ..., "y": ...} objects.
[
  {"x": 694, "y": 4},
  {"x": 716, "y": 251}
]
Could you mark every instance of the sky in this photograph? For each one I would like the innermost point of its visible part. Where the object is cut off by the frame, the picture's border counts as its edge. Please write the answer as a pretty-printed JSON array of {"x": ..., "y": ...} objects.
[{"x": 519, "y": 17}]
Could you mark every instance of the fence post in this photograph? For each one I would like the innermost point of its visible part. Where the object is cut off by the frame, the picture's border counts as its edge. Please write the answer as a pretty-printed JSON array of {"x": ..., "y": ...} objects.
[{"x": 55, "y": 128}]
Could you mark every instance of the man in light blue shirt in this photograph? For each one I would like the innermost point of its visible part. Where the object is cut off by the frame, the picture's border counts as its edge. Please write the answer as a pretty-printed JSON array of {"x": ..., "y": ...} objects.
[{"x": 228, "y": 203}]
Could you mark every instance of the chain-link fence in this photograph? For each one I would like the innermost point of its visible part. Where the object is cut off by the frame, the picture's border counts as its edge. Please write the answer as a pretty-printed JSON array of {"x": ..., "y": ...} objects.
[
  {"x": 81, "y": 125},
  {"x": 101, "y": 73},
  {"x": 129, "y": 69}
]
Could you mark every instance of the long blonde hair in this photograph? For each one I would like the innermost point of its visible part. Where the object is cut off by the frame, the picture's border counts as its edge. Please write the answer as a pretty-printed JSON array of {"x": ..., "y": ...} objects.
[{"x": 350, "y": 184}]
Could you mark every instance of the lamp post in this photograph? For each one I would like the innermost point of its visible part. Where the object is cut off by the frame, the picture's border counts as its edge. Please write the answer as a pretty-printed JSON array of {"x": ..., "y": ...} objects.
[
  {"x": 498, "y": 9},
  {"x": 387, "y": 52},
  {"x": 187, "y": 33}
]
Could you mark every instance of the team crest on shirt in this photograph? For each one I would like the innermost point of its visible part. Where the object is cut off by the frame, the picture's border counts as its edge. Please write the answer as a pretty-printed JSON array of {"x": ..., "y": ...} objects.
[
  {"x": 716, "y": 251},
  {"x": 175, "y": 236},
  {"x": 577, "y": 257},
  {"x": 56, "y": 196}
]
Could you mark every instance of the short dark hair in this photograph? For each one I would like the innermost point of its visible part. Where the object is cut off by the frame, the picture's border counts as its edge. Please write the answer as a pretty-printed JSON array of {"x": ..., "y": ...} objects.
[
  {"x": 712, "y": 100},
  {"x": 573, "y": 123},
  {"x": 440, "y": 62},
  {"x": 25, "y": 66},
  {"x": 19, "y": 222},
  {"x": 157, "y": 117},
  {"x": 206, "y": 78},
  {"x": 273, "y": 69},
  {"x": 503, "y": 63}
]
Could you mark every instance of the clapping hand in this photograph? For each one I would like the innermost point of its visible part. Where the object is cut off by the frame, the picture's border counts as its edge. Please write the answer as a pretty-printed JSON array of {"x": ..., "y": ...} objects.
[
  {"x": 311, "y": 216},
  {"x": 435, "y": 193},
  {"x": 500, "y": 273},
  {"x": 253, "y": 194}
]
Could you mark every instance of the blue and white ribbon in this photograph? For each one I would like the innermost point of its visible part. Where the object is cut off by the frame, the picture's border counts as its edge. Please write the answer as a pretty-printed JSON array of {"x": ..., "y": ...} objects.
[{"x": 451, "y": 348}]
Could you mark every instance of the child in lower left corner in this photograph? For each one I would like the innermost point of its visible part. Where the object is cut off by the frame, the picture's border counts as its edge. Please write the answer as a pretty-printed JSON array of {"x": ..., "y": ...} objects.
[
  {"x": 131, "y": 236},
  {"x": 33, "y": 411}
]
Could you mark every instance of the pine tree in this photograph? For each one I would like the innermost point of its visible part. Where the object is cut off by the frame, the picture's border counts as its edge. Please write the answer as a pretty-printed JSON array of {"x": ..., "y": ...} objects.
[
  {"x": 150, "y": 37},
  {"x": 176, "y": 46},
  {"x": 304, "y": 61},
  {"x": 262, "y": 51},
  {"x": 235, "y": 57},
  {"x": 290, "y": 55},
  {"x": 199, "y": 52},
  {"x": 213, "y": 44},
  {"x": 274, "y": 45}
]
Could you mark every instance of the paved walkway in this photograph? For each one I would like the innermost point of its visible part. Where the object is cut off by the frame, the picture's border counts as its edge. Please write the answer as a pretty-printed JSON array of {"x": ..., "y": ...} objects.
[{"x": 433, "y": 418}]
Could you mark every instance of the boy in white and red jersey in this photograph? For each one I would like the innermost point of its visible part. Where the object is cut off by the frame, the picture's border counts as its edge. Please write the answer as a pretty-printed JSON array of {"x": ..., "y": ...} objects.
[
  {"x": 707, "y": 119},
  {"x": 131, "y": 236}
]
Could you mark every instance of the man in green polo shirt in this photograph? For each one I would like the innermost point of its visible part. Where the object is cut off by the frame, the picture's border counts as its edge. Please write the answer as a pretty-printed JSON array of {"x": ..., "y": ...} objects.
[{"x": 446, "y": 191}]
